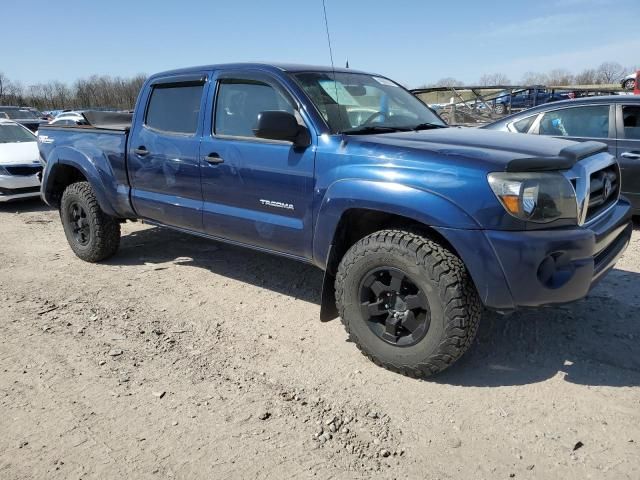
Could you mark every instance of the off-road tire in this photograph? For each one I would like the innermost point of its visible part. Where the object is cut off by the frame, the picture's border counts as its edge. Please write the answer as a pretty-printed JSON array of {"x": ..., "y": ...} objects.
[
  {"x": 454, "y": 303},
  {"x": 629, "y": 84},
  {"x": 104, "y": 230}
]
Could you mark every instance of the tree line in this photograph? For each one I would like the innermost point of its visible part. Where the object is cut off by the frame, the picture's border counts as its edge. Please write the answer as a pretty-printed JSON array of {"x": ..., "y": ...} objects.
[
  {"x": 104, "y": 91},
  {"x": 97, "y": 91},
  {"x": 606, "y": 73}
]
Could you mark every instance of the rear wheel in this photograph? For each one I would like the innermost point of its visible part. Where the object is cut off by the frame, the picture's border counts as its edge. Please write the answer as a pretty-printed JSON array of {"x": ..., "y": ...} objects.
[
  {"x": 407, "y": 302},
  {"x": 92, "y": 234}
]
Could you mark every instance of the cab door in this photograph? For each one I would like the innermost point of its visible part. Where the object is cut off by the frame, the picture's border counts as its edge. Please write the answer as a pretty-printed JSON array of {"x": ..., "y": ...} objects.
[
  {"x": 163, "y": 156},
  {"x": 628, "y": 151},
  {"x": 580, "y": 123},
  {"x": 257, "y": 192}
]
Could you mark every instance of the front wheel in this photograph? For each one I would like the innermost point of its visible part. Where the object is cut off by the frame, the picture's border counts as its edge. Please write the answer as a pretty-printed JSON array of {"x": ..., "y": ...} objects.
[
  {"x": 629, "y": 84},
  {"x": 407, "y": 302},
  {"x": 92, "y": 234}
]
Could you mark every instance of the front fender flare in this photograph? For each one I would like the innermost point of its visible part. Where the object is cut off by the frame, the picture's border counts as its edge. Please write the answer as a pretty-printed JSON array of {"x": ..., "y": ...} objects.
[{"x": 423, "y": 206}]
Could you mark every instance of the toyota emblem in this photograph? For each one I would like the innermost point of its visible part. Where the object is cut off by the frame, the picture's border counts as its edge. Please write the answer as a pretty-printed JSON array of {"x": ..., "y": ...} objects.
[{"x": 607, "y": 187}]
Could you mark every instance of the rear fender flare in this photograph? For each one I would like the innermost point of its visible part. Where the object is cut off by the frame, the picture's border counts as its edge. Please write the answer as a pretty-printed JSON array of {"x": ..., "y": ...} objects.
[{"x": 73, "y": 158}]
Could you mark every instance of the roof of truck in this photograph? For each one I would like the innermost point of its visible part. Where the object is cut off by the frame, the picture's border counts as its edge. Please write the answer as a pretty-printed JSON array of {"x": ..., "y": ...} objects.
[{"x": 284, "y": 67}]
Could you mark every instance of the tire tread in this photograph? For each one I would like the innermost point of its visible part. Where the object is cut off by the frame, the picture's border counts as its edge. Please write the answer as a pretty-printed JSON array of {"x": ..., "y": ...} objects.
[
  {"x": 462, "y": 306},
  {"x": 106, "y": 229}
]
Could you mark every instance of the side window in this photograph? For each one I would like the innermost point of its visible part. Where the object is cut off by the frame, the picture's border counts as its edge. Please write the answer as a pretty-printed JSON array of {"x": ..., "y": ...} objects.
[
  {"x": 239, "y": 102},
  {"x": 175, "y": 109},
  {"x": 590, "y": 122},
  {"x": 631, "y": 122},
  {"x": 523, "y": 126}
]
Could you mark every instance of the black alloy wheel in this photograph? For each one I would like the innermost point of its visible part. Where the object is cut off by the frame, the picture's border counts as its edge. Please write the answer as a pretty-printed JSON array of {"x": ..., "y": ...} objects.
[
  {"x": 81, "y": 228},
  {"x": 394, "y": 307}
]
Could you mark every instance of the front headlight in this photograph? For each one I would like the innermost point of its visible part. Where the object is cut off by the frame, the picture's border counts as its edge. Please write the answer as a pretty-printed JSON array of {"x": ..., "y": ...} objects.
[{"x": 535, "y": 197}]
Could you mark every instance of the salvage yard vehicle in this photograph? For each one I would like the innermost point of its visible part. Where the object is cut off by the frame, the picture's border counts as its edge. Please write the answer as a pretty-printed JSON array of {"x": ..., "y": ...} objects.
[
  {"x": 68, "y": 120},
  {"x": 629, "y": 82},
  {"x": 19, "y": 162},
  {"x": 517, "y": 100},
  {"x": 613, "y": 120},
  {"x": 22, "y": 115},
  {"x": 417, "y": 226}
]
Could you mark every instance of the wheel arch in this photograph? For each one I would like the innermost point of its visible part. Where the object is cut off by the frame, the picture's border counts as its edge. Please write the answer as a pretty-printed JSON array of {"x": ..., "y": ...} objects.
[
  {"x": 66, "y": 166},
  {"x": 380, "y": 206}
]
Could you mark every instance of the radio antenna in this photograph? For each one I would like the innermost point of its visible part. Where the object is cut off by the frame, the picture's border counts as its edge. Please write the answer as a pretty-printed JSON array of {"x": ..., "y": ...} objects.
[
  {"x": 333, "y": 68},
  {"x": 326, "y": 26}
]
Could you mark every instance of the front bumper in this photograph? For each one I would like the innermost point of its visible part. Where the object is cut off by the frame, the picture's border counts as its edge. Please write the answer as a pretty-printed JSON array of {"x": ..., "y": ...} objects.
[
  {"x": 513, "y": 269},
  {"x": 13, "y": 187}
]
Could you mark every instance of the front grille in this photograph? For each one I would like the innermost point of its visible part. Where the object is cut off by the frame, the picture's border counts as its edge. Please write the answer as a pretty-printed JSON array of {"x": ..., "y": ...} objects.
[
  {"x": 24, "y": 170},
  {"x": 604, "y": 188}
]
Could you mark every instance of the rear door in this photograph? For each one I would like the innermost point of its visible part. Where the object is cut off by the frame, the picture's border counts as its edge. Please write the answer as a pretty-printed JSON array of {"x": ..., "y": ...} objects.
[
  {"x": 580, "y": 123},
  {"x": 628, "y": 151},
  {"x": 163, "y": 156}
]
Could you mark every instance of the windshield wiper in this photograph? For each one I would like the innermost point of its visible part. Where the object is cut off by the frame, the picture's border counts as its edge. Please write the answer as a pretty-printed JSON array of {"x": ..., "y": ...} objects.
[
  {"x": 374, "y": 129},
  {"x": 427, "y": 126}
]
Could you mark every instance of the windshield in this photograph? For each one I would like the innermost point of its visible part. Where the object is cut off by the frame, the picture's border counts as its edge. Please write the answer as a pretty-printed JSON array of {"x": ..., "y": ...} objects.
[
  {"x": 359, "y": 102},
  {"x": 18, "y": 113},
  {"x": 15, "y": 134}
]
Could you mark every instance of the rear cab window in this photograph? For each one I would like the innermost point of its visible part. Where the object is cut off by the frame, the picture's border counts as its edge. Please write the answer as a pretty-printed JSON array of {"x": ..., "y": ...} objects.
[{"x": 175, "y": 108}]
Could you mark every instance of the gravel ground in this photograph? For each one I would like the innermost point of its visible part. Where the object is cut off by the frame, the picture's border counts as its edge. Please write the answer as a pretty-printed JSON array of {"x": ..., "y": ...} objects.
[{"x": 185, "y": 358}]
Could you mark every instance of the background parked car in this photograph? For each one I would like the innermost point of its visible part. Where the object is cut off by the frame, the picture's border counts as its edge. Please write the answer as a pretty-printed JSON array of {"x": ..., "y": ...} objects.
[
  {"x": 614, "y": 120},
  {"x": 69, "y": 121},
  {"x": 69, "y": 114},
  {"x": 20, "y": 165},
  {"x": 528, "y": 98},
  {"x": 629, "y": 82},
  {"x": 39, "y": 114},
  {"x": 23, "y": 116}
]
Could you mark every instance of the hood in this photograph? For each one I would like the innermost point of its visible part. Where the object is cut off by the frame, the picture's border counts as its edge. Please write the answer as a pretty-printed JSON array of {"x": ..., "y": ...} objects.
[
  {"x": 497, "y": 150},
  {"x": 19, "y": 153}
]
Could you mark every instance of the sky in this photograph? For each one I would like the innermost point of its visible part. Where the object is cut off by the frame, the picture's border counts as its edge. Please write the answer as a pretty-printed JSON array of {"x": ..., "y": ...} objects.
[{"x": 415, "y": 42}]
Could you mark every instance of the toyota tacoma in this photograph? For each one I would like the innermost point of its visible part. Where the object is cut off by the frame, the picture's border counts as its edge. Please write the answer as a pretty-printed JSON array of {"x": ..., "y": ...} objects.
[{"x": 419, "y": 227}]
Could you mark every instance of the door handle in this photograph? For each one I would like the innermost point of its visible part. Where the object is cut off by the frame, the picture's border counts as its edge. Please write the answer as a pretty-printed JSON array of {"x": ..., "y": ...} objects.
[
  {"x": 631, "y": 155},
  {"x": 141, "y": 150},
  {"x": 214, "y": 159}
]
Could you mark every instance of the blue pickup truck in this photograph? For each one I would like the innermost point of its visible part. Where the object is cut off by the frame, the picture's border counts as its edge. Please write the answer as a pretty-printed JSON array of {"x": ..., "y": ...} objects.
[
  {"x": 417, "y": 226},
  {"x": 508, "y": 101}
]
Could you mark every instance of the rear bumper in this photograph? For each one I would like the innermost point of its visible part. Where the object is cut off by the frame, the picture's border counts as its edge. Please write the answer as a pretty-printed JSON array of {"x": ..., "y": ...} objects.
[
  {"x": 13, "y": 187},
  {"x": 534, "y": 268}
]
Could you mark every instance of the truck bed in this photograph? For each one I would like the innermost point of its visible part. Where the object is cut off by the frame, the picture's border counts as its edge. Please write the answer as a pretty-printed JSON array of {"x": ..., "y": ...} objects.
[{"x": 99, "y": 152}]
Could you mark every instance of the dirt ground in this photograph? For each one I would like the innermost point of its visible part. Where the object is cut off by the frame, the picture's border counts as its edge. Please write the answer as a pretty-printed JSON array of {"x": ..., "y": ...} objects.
[{"x": 185, "y": 358}]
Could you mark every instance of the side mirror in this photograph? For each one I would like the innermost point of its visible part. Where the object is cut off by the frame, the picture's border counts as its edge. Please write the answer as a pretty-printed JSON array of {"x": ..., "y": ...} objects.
[{"x": 278, "y": 125}]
